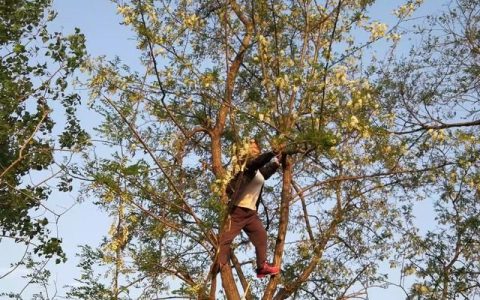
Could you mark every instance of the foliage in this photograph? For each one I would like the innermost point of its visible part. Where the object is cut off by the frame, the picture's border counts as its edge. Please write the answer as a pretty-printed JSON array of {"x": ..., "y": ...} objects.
[
  {"x": 35, "y": 66},
  {"x": 94, "y": 288}
]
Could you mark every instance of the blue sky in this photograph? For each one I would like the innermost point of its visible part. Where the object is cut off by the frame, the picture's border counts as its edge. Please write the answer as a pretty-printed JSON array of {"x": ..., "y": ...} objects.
[{"x": 84, "y": 223}]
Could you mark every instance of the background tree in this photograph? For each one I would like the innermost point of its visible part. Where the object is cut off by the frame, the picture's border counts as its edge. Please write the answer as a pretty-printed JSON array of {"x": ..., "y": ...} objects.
[
  {"x": 366, "y": 142},
  {"x": 34, "y": 69},
  {"x": 438, "y": 88}
]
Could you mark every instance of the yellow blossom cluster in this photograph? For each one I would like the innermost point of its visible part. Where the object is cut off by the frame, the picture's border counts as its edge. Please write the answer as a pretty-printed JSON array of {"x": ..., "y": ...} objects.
[
  {"x": 353, "y": 122},
  {"x": 463, "y": 137},
  {"x": 118, "y": 237},
  {"x": 263, "y": 41},
  {"x": 127, "y": 12},
  {"x": 340, "y": 75},
  {"x": 354, "y": 99},
  {"x": 437, "y": 135},
  {"x": 237, "y": 162},
  {"x": 394, "y": 37},
  {"x": 304, "y": 248},
  {"x": 152, "y": 13},
  {"x": 389, "y": 119},
  {"x": 361, "y": 96},
  {"x": 264, "y": 117},
  {"x": 263, "y": 50},
  {"x": 282, "y": 81},
  {"x": 191, "y": 21},
  {"x": 377, "y": 30},
  {"x": 103, "y": 78},
  {"x": 207, "y": 79},
  {"x": 239, "y": 152},
  {"x": 421, "y": 289},
  {"x": 118, "y": 234},
  {"x": 407, "y": 9}
]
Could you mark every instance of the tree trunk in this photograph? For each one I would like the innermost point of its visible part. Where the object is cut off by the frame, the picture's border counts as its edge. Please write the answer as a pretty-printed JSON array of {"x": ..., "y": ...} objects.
[
  {"x": 292, "y": 287},
  {"x": 282, "y": 228},
  {"x": 229, "y": 285}
]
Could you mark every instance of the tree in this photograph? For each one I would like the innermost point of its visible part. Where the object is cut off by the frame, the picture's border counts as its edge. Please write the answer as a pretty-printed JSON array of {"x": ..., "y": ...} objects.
[
  {"x": 438, "y": 87},
  {"x": 362, "y": 142},
  {"x": 35, "y": 66}
]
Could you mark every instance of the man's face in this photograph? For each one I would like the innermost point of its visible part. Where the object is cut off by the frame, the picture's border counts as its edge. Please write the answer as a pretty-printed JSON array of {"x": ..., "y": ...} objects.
[{"x": 254, "y": 148}]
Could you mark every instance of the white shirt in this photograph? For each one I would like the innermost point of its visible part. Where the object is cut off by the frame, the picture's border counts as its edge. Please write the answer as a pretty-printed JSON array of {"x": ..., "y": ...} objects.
[{"x": 251, "y": 192}]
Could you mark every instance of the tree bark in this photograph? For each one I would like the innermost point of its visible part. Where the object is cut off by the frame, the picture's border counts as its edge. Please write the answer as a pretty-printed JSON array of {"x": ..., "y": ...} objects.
[
  {"x": 292, "y": 287},
  {"x": 283, "y": 225},
  {"x": 228, "y": 284},
  {"x": 228, "y": 281}
]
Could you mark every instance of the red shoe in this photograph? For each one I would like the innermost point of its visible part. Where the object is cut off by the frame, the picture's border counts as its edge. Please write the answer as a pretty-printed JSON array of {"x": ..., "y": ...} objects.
[{"x": 267, "y": 269}]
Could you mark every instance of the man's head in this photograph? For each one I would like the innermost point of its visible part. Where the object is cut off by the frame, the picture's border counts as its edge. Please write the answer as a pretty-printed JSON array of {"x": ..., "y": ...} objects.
[{"x": 254, "y": 148}]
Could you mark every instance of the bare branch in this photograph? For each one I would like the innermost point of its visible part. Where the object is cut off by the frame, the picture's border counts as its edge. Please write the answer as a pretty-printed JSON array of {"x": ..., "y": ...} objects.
[{"x": 425, "y": 127}]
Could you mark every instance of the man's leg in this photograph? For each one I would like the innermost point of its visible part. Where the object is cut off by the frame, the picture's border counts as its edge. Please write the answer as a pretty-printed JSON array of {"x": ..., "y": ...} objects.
[
  {"x": 258, "y": 236},
  {"x": 236, "y": 222}
]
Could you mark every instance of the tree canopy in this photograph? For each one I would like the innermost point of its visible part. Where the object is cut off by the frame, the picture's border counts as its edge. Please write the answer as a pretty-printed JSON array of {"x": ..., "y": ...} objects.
[{"x": 367, "y": 140}]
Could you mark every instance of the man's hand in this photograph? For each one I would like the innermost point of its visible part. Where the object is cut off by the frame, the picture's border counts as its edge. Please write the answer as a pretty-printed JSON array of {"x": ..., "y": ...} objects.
[
  {"x": 276, "y": 159},
  {"x": 278, "y": 149}
]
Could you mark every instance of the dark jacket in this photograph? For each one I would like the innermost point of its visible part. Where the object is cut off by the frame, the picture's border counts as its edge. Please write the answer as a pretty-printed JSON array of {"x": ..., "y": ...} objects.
[{"x": 242, "y": 179}]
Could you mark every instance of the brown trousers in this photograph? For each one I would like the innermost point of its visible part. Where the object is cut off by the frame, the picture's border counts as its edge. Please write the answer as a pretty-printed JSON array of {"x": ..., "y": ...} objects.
[{"x": 248, "y": 220}]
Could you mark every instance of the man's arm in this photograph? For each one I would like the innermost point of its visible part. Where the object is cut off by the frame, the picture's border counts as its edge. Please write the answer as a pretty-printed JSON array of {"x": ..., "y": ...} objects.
[
  {"x": 255, "y": 164},
  {"x": 269, "y": 169}
]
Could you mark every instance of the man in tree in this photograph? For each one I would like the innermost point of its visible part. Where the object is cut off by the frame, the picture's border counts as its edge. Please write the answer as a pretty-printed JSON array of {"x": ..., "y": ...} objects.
[{"x": 245, "y": 193}]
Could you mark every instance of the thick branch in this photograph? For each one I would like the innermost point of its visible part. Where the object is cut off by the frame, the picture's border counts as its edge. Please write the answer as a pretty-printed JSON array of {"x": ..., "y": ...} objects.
[
  {"x": 217, "y": 132},
  {"x": 305, "y": 212},
  {"x": 290, "y": 288},
  {"x": 287, "y": 165},
  {"x": 241, "y": 276}
]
